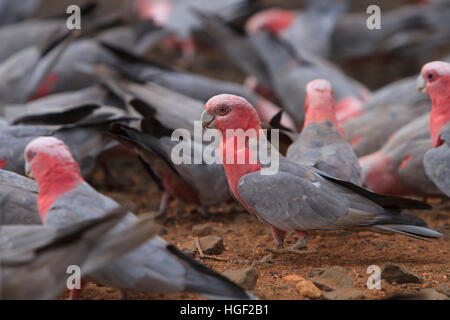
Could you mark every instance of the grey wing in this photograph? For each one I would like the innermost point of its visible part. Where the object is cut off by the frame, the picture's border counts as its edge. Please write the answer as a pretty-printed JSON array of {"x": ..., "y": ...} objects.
[
  {"x": 321, "y": 146},
  {"x": 19, "y": 202},
  {"x": 209, "y": 180},
  {"x": 299, "y": 199},
  {"x": 17, "y": 241},
  {"x": 437, "y": 163}
]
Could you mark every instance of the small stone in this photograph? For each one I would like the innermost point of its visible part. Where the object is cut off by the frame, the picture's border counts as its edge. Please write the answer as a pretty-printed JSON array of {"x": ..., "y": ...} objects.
[
  {"x": 246, "y": 278},
  {"x": 344, "y": 294},
  {"x": 394, "y": 273},
  {"x": 209, "y": 245},
  {"x": 200, "y": 230},
  {"x": 332, "y": 279},
  {"x": 292, "y": 277},
  {"x": 431, "y": 294},
  {"x": 315, "y": 272},
  {"x": 445, "y": 289},
  {"x": 308, "y": 289}
]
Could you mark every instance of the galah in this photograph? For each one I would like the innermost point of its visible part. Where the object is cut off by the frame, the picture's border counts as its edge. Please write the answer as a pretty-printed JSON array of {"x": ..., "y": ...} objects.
[
  {"x": 397, "y": 168},
  {"x": 36, "y": 261},
  {"x": 169, "y": 111},
  {"x": 321, "y": 143},
  {"x": 156, "y": 266},
  {"x": 385, "y": 111},
  {"x": 12, "y": 11},
  {"x": 19, "y": 205},
  {"x": 434, "y": 79},
  {"x": 292, "y": 197},
  {"x": 310, "y": 29}
]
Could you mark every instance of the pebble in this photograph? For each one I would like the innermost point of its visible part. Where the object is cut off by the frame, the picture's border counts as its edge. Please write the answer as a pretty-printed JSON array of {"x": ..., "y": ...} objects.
[
  {"x": 201, "y": 230},
  {"x": 209, "y": 245},
  {"x": 246, "y": 278},
  {"x": 393, "y": 273},
  {"x": 333, "y": 279}
]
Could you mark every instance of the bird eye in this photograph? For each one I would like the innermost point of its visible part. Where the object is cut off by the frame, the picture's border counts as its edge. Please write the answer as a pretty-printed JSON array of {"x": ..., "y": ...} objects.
[
  {"x": 430, "y": 76},
  {"x": 222, "y": 110}
]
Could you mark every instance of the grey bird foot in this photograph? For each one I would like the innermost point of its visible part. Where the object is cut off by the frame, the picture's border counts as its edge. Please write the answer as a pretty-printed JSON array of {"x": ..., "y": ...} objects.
[{"x": 295, "y": 248}]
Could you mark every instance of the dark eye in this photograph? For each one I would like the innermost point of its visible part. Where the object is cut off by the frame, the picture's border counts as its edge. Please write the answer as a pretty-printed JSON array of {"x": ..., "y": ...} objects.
[
  {"x": 430, "y": 76},
  {"x": 222, "y": 110}
]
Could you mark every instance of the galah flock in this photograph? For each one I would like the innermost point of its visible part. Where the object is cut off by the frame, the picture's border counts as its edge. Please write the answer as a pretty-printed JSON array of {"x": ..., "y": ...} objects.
[{"x": 243, "y": 150}]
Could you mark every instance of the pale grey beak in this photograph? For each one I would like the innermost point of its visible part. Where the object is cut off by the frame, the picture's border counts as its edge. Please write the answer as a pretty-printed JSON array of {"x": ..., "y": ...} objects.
[
  {"x": 207, "y": 120},
  {"x": 28, "y": 170},
  {"x": 420, "y": 84}
]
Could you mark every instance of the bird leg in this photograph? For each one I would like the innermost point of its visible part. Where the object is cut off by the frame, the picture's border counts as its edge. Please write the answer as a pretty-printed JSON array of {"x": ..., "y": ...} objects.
[
  {"x": 295, "y": 248},
  {"x": 278, "y": 236}
]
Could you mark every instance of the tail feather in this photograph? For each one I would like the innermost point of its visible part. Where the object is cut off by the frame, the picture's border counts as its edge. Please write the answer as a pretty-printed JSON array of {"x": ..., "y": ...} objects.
[
  {"x": 417, "y": 232},
  {"x": 205, "y": 281}
]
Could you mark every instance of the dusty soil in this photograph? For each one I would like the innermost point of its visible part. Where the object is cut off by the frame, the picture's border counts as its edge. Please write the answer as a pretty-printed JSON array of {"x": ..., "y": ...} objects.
[{"x": 246, "y": 239}]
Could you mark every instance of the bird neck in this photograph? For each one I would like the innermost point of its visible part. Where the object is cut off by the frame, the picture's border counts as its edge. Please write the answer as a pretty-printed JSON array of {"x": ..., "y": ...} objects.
[
  {"x": 238, "y": 157},
  {"x": 322, "y": 113},
  {"x": 439, "y": 117},
  {"x": 54, "y": 178}
]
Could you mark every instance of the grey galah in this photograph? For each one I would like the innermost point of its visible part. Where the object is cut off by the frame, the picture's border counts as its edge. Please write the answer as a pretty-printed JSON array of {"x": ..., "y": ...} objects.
[
  {"x": 87, "y": 138},
  {"x": 290, "y": 71},
  {"x": 397, "y": 168},
  {"x": 310, "y": 29},
  {"x": 434, "y": 79},
  {"x": 386, "y": 110},
  {"x": 292, "y": 197},
  {"x": 36, "y": 261},
  {"x": 157, "y": 266},
  {"x": 12, "y": 11},
  {"x": 321, "y": 143},
  {"x": 19, "y": 205},
  {"x": 196, "y": 86}
]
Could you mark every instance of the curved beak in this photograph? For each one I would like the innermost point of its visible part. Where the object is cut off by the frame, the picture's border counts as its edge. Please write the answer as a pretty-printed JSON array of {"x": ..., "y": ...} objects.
[
  {"x": 207, "y": 120},
  {"x": 420, "y": 84},
  {"x": 28, "y": 170}
]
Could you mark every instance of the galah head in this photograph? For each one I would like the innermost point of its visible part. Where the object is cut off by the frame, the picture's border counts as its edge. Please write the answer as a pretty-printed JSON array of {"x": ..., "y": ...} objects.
[
  {"x": 275, "y": 20},
  {"x": 44, "y": 154},
  {"x": 319, "y": 94},
  {"x": 227, "y": 111},
  {"x": 434, "y": 78}
]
